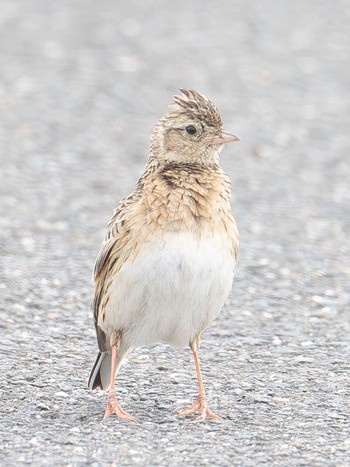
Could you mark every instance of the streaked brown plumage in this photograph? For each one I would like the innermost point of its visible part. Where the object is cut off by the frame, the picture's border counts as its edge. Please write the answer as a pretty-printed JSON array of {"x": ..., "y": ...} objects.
[{"x": 167, "y": 262}]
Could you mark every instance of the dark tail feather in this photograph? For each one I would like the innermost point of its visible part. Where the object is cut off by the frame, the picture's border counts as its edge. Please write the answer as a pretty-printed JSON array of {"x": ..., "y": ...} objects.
[{"x": 101, "y": 372}]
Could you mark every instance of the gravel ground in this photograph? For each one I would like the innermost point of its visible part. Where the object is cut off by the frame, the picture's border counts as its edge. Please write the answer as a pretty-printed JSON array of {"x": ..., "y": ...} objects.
[{"x": 81, "y": 85}]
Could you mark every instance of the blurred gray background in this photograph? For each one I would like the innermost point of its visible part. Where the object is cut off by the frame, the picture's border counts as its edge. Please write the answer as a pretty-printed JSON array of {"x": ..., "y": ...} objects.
[{"x": 81, "y": 85}]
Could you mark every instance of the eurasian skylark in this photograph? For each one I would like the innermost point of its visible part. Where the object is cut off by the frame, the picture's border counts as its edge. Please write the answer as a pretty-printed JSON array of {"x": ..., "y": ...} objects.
[{"x": 166, "y": 265}]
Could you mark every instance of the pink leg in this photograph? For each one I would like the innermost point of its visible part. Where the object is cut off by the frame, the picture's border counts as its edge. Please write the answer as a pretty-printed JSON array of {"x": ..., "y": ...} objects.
[
  {"x": 201, "y": 402},
  {"x": 113, "y": 405}
]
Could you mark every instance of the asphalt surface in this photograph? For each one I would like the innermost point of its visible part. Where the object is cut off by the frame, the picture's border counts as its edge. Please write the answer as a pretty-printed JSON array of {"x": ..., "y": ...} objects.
[{"x": 81, "y": 85}]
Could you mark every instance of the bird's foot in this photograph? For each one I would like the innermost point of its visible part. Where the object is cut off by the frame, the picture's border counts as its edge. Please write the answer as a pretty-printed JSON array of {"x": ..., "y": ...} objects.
[
  {"x": 113, "y": 406},
  {"x": 201, "y": 406}
]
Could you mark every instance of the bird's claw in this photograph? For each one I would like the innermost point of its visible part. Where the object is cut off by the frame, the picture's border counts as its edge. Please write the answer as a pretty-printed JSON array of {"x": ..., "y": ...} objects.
[
  {"x": 201, "y": 405},
  {"x": 114, "y": 407}
]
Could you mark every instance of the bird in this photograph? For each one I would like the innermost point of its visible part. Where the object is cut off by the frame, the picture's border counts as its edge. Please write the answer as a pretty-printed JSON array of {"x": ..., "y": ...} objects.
[{"x": 166, "y": 265}]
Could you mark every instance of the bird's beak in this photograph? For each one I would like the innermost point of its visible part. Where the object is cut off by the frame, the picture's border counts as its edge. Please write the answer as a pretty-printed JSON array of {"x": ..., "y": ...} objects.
[
  {"x": 224, "y": 138},
  {"x": 227, "y": 137}
]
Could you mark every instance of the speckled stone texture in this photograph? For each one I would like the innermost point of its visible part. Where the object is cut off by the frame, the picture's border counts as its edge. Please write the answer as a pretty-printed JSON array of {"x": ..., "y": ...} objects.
[{"x": 81, "y": 84}]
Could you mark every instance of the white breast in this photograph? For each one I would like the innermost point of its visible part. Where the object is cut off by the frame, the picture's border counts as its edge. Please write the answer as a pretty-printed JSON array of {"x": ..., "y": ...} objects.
[{"x": 172, "y": 290}]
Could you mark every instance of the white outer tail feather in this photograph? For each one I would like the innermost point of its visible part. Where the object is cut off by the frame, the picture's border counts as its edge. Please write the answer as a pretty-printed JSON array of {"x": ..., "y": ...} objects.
[{"x": 101, "y": 370}]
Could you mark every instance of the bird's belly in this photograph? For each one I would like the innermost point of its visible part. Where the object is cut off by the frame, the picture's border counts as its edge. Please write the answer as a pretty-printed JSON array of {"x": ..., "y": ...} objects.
[{"x": 171, "y": 291}]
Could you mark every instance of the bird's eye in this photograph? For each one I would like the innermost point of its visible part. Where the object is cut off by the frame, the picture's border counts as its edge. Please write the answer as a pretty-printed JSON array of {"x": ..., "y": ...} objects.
[{"x": 191, "y": 130}]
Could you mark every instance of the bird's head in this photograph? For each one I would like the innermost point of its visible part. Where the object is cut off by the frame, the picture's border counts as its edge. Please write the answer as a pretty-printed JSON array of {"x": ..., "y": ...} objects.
[{"x": 192, "y": 130}]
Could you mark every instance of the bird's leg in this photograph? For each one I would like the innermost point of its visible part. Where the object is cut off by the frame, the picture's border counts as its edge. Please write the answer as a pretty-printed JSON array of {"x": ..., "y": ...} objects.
[
  {"x": 113, "y": 405},
  {"x": 201, "y": 402}
]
